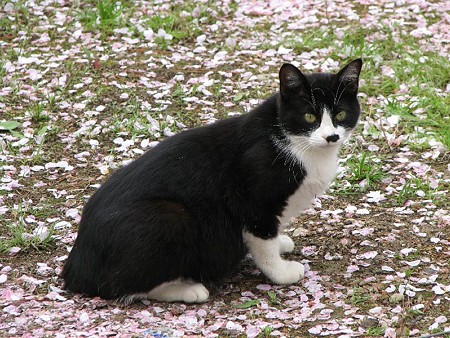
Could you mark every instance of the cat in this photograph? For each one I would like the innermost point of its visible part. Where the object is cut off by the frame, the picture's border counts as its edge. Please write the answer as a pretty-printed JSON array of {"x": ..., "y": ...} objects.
[{"x": 187, "y": 212}]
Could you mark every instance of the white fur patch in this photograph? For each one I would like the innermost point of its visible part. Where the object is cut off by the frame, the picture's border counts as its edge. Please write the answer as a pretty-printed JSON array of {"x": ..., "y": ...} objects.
[
  {"x": 266, "y": 255},
  {"x": 318, "y": 137},
  {"x": 285, "y": 244},
  {"x": 321, "y": 165},
  {"x": 175, "y": 291}
]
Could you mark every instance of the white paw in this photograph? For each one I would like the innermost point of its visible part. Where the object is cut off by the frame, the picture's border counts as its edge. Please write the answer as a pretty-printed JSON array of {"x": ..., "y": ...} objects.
[
  {"x": 195, "y": 293},
  {"x": 179, "y": 291},
  {"x": 288, "y": 272},
  {"x": 286, "y": 244}
]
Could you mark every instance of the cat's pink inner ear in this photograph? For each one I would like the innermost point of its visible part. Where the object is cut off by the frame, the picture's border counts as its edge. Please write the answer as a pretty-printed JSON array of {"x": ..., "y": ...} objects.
[{"x": 292, "y": 80}]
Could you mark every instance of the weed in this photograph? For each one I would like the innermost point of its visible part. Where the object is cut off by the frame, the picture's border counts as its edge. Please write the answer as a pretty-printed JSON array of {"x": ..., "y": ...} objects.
[
  {"x": 17, "y": 235},
  {"x": 248, "y": 304},
  {"x": 9, "y": 125},
  {"x": 88, "y": 18},
  {"x": 178, "y": 24},
  {"x": 414, "y": 313},
  {"x": 273, "y": 300},
  {"x": 415, "y": 188},
  {"x": 430, "y": 73},
  {"x": 308, "y": 41},
  {"x": 355, "y": 42},
  {"x": 109, "y": 12},
  {"x": 408, "y": 273},
  {"x": 376, "y": 331},
  {"x": 444, "y": 137},
  {"x": 358, "y": 298},
  {"x": 267, "y": 331},
  {"x": 238, "y": 97},
  {"x": 40, "y": 139},
  {"x": 51, "y": 102},
  {"x": 363, "y": 171},
  {"x": 407, "y": 191},
  {"x": 178, "y": 91},
  {"x": 106, "y": 16},
  {"x": 38, "y": 113},
  {"x": 88, "y": 54},
  {"x": 7, "y": 27}
]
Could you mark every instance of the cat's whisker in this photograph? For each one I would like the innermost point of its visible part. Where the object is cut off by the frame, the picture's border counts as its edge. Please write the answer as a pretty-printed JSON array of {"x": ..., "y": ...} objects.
[
  {"x": 313, "y": 106},
  {"x": 332, "y": 94},
  {"x": 320, "y": 90},
  {"x": 336, "y": 101},
  {"x": 343, "y": 90},
  {"x": 312, "y": 97}
]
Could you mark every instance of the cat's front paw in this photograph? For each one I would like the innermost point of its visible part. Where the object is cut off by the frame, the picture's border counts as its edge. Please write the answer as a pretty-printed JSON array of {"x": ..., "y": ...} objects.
[
  {"x": 285, "y": 243},
  {"x": 196, "y": 293},
  {"x": 288, "y": 273}
]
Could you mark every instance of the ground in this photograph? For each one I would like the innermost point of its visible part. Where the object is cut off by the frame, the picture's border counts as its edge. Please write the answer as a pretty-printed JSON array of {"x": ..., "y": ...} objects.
[{"x": 88, "y": 86}]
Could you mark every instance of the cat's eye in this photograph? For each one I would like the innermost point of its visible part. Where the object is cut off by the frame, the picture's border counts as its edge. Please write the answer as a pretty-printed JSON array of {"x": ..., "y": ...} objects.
[
  {"x": 310, "y": 118},
  {"x": 341, "y": 115}
]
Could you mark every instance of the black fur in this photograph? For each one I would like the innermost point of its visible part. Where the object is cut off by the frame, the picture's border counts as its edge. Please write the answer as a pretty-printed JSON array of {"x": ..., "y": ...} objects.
[{"x": 180, "y": 209}]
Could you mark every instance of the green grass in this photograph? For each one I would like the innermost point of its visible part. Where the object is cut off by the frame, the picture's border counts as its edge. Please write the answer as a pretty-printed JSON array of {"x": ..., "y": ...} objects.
[
  {"x": 37, "y": 156},
  {"x": 17, "y": 233},
  {"x": 273, "y": 300},
  {"x": 428, "y": 76},
  {"x": 376, "y": 331},
  {"x": 181, "y": 23},
  {"x": 363, "y": 171},
  {"x": 179, "y": 27},
  {"x": 413, "y": 187},
  {"x": 38, "y": 112},
  {"x": 360, "y": 299},
  {"x": 136, "y": 122},
  {"x": 109, "y": 12},
  {"x": 413, "y": 313},
  {"x": 105, "y": 16},
  {"x": 266, "y": 332}
]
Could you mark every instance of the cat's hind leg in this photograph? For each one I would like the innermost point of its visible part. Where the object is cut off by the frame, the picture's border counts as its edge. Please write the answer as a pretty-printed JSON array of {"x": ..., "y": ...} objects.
[
  {"x": 266, "y": 255},
  {"x": 175, "y": 291}
]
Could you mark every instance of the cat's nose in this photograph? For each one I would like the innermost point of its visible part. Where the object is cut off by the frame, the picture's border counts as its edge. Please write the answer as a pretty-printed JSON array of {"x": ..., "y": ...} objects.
[{"x": 332, "y": 138}]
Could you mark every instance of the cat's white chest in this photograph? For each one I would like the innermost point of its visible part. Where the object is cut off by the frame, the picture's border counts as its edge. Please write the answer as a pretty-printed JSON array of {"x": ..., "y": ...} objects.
[{"x": 321, "y": 169}]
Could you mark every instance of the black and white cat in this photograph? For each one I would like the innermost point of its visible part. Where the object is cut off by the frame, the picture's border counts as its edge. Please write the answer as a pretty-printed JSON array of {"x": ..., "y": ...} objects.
[{"x": 187, "y": 211}]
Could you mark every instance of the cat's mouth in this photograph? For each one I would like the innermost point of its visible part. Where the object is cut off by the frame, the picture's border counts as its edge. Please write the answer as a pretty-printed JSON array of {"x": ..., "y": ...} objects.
[
  {"x": 331, "y": 141},
  {"x": 319, "y": 148},
  {"x": 325, "y": 144}
]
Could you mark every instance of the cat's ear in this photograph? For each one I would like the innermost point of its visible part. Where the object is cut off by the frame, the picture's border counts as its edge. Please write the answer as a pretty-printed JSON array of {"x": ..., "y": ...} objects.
[
  {"x": 348, "y": 77},
  {"x": 292, "y": 81}
]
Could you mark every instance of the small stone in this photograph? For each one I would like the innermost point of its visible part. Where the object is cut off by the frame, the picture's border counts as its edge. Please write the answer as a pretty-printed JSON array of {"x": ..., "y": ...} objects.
[
  {"x": 177, "y": 310},
  {"x": 302, "y": 232},
  {"x": 416, "y": 205},
  {"x": 396, "y": 298},
  {"x": 368, "y": 322},
  {"x": 430, "y": 271}
]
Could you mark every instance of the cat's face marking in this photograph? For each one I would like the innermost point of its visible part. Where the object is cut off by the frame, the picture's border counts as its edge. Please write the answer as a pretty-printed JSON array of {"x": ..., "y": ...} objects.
[
  {"x": 326, "y": 133},
  {"x": 319, "y": 110}
]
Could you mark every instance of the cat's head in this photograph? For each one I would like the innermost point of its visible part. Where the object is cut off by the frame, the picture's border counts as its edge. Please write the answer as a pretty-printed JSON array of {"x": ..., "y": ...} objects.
[{"x": 319, "y": 110}]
